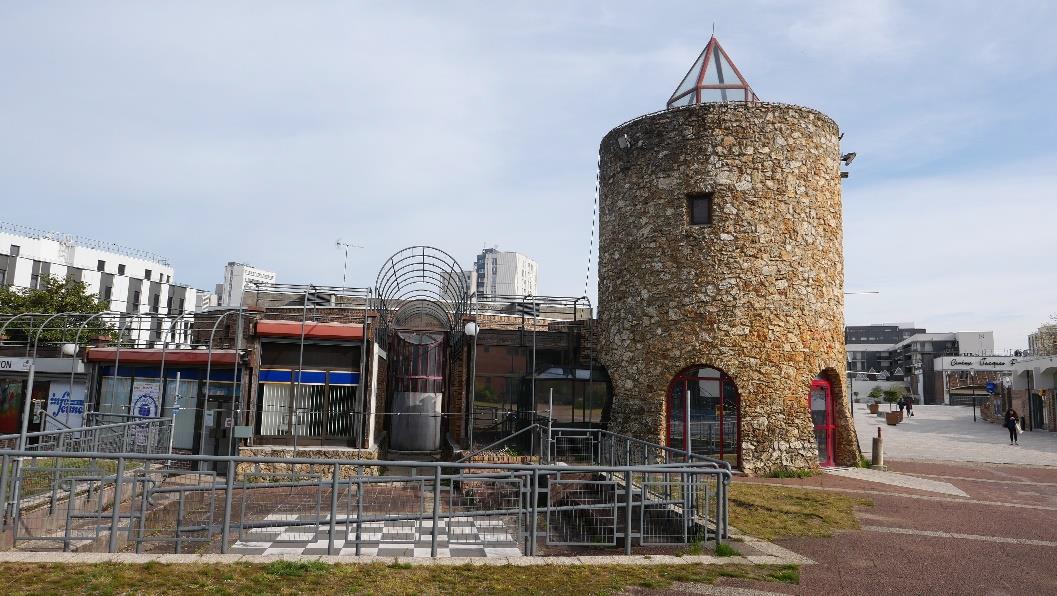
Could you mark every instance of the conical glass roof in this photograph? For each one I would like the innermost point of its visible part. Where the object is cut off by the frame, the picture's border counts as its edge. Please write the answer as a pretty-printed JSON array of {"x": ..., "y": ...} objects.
[{"x": 712, "y": 78}]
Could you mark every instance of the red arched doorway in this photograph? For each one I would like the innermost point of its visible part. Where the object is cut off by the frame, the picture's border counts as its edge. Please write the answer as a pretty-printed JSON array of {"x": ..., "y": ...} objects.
[
  {"x": 708, "y": 399},
  {"x": 820, "y": 401}
]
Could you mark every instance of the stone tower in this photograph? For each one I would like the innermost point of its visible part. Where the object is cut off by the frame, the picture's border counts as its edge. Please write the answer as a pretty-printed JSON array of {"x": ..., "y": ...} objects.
[{"x": 721, "y": 276}]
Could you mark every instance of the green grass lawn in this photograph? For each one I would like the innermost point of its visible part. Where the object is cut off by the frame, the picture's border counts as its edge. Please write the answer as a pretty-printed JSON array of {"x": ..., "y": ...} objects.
[
  {"x": 284, "y": 577},
  {"x": 771, "y": 512}
]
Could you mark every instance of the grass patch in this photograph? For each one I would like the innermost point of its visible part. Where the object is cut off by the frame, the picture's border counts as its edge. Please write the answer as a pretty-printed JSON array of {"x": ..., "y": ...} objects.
[
  {"x": 771, "y": 512},
  {"x": 315, "y": 577},
  {"x": 725, "y": 550},
  {"x": 294, "y": 568}
]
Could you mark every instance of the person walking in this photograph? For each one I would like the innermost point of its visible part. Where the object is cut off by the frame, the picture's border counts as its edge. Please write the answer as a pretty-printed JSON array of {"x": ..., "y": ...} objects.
[
  {"x": 902, "y": 403},
  {"x": 1011, "y": 420},
  {"x": 910, "y": 405}
]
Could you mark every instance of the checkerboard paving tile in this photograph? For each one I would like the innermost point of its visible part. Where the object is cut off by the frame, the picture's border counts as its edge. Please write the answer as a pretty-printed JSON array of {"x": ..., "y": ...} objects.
[{"x": 456, "y": 537}]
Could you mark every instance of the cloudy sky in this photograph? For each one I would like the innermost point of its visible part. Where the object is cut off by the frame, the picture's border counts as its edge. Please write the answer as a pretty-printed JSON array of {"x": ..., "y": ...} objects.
[{"x": 262, "y": 132}]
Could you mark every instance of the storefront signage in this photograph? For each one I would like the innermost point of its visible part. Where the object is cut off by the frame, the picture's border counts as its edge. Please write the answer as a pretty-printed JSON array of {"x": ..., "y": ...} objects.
[
  {"x": 984, "y": 363},
  {"x": 65, "y": 406},
  {"x": 14, "y": 364}
]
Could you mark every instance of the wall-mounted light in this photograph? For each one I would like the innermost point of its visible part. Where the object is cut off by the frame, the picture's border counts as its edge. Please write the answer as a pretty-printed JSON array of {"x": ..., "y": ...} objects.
[{"x": 847, "y": 158}]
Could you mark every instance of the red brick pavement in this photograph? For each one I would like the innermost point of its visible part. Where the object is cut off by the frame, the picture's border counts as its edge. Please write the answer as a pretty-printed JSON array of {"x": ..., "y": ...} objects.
[{"x": 872, "y": 562}]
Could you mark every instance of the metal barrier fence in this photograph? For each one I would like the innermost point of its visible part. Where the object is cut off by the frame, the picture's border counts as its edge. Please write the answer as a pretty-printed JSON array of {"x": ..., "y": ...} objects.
[
  {"x": 143, "y": 503},
  {"x": 136, "y": 435}
]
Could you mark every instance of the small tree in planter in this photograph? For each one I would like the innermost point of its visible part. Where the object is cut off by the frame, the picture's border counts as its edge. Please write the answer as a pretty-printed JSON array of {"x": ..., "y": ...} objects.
[
  {"x": 875, "y": 394},
  {"x": 892, "y": 396}
]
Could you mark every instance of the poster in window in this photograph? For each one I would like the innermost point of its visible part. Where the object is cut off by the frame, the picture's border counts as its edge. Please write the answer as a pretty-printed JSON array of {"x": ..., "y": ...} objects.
[
  {"x": 146, "y": 400},
  {"x": 65, "y": 406},
  {"x": 10, "y": 405}
]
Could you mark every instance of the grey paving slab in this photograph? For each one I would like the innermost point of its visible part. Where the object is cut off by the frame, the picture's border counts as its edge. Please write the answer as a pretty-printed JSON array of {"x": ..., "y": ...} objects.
[
  {"x": 948, "y": 433},
  {"x": 896, "y": 479}
]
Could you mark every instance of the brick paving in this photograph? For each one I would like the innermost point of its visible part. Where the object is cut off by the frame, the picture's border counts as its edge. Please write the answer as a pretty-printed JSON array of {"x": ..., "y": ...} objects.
[{"x": 1001, "y": 539}]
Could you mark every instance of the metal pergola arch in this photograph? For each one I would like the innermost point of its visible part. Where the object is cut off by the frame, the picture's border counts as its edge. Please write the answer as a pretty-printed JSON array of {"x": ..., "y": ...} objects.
[{"x": 427, "y": 281}]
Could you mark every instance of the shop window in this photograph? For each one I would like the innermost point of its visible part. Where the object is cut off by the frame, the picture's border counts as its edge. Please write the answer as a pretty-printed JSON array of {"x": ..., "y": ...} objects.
[
  {"x": 100, "y": 265},
  {"x": 700, "y": 209},
  {"x": 15, "y": 250},
  {"x": 121, "y": 269}
]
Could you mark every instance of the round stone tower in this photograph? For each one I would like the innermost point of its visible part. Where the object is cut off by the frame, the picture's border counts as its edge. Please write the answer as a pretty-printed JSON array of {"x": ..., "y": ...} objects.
[{"x": 721, "y": 277}]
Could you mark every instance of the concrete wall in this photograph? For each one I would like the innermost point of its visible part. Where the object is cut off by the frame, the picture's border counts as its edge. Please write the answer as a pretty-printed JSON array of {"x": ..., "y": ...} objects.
[{"x": 757, "y": 293}]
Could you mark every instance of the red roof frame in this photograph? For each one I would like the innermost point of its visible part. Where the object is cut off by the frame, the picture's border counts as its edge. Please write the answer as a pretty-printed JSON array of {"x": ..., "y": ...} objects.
[
  {"x": 709, "y": 57},
  {"x": 312, "y": 330}
]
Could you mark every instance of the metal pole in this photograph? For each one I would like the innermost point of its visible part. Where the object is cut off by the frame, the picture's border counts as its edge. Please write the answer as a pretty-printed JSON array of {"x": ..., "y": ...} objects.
[
  {"x": 226, "y": 531},
  {"x": 26, "y": 405},
  {"x": 333, "y": 509},
  {"x": 300, "y": 365},
  {"x": 173, "y": 409},
  {"x": 974, "y": 404},
  {"x": 535, "y": 315},
  {"x": 114, "y": 515},
  {"x": 473, "y": 387},
  {"x": 686, "y": 421},
  {"x": 533, "y": 507},
  {"x": 236, "y": 382},
  {"x": 3, "y": 490},
  {"x": 436, "y": 511},
  {"x": 627, "y": 512},
  {"x": 361, "y": 395},
  {"x": 550, "y": 423},
  {"x": 359, "y": 508}
]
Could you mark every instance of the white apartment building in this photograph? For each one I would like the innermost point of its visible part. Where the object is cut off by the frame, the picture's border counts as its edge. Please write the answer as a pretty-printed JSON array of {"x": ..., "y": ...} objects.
[
  {"x": 500, "y": 273},
  {"x": 238, "y": 278},
  {"x": 129, "y": 280}
]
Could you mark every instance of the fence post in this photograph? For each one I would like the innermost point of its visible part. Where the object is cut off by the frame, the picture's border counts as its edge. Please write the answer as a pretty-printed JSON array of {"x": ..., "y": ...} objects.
[
  {"x": 115, "y": 514},
  {"x": 359, "y": 506},
  {"x": 333, "y": 509},
  {"x": 627, "y": 511},
  {"x": 725, "y": 479},
  {"x": 226, "y": 532},
  {"x": 436, "y": 511},
  {"x": 3, "y": 489},
  {"x": 533, "y": 507}
]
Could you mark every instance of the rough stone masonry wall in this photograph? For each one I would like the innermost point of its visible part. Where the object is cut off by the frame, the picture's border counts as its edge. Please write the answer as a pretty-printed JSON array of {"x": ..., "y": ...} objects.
[{"x": 758, "y": 293}]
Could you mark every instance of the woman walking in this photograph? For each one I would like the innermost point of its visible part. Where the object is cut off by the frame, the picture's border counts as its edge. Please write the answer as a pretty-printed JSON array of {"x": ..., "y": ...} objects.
[{"x": 1011, "y": 420}]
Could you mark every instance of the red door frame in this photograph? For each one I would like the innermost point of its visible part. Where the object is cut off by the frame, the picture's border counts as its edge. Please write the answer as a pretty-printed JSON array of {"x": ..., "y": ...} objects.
[
  {"x": 829, "y": 427},
  {"x": 682, "y": 378}
]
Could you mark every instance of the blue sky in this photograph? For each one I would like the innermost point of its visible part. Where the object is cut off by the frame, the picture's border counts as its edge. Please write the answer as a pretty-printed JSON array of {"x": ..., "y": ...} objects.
[{"x": 262, "y": 132}]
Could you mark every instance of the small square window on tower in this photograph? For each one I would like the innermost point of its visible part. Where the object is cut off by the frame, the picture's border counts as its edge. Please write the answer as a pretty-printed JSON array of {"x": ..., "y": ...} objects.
[{"x": 700, "y": 208}]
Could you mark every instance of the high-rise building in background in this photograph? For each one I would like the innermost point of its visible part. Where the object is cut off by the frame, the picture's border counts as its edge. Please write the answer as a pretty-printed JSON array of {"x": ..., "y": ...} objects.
[
  {"x": 126, "y": 279},
  {"x": 240, "y": 277},
  {"x": 499, "y": 273}
]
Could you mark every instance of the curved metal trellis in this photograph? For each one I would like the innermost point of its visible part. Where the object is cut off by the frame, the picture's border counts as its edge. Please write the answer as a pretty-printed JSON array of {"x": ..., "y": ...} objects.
[{"x": 422, "y": 281}]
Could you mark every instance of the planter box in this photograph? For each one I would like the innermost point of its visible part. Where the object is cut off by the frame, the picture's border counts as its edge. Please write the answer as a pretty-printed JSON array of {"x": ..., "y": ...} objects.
[
  {"x": 893, "y": 418},
  {"x": 874, "y": 408}
]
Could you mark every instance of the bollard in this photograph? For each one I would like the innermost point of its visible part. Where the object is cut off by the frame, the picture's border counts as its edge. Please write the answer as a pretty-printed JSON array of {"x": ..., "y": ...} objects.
[{"x": 878, "y": 460}]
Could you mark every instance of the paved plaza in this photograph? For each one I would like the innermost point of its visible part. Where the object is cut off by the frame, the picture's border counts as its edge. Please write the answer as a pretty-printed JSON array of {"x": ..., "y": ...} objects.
[{"x": 948, "y": 433}]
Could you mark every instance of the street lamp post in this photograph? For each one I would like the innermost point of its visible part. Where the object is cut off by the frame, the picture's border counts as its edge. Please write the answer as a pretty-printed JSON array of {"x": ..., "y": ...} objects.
[{"x": 472, "y": 329}]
